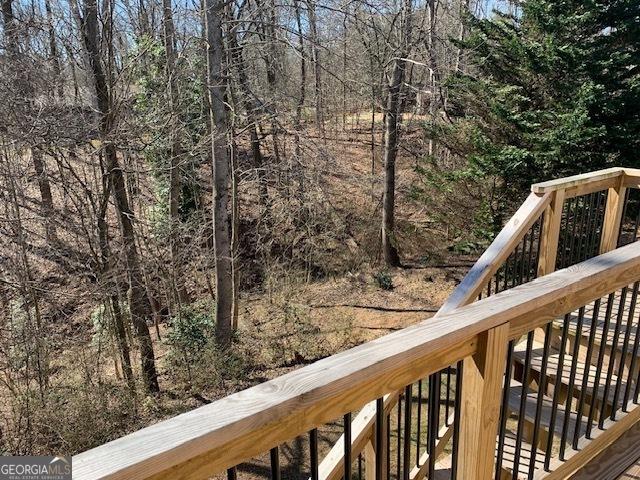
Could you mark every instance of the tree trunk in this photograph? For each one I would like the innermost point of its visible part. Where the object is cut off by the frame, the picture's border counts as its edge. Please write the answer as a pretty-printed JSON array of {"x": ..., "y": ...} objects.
[
  {"x": 216, "y": 83},
  {"x": 317, "y": 70},
  {"x": 392, "y": 136},
  {"x": 175, "y": 153},
  {"x": 138, "y": 302},
  {"x": 46, "y": 199}
]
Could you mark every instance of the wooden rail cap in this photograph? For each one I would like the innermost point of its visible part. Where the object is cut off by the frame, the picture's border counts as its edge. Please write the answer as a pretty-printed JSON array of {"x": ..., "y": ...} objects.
[
  {"x": 214, "y": 437},
  {"x": 577, "y": 180}
]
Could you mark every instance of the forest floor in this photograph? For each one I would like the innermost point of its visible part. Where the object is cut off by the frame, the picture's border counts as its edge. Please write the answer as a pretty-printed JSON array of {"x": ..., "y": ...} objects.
[{"x": 286, "y": 320}]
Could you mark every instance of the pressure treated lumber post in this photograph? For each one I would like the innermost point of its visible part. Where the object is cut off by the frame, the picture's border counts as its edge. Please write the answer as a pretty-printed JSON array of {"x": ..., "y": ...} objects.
[
  {"x": 613, "y": 216},
  {"x": 550, "y": 234},
  {"x": 369, "y": 462},
  {"x": 482, "y": 378}
]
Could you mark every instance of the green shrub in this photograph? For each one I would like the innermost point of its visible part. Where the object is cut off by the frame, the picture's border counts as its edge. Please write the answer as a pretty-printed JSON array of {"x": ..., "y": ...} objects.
[{"x": 384, "y": 280}]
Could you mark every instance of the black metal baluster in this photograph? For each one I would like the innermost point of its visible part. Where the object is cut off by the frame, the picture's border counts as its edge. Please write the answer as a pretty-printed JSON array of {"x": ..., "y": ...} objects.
[
  {"x": 232, "y": 473},
  {"x": 506, "y": 273},
  {"x": 434, "y": 398},
  {"x": 612, "y": 356},
  {"x": 577, "y": 220},
  {"x": 406, "y": 448},
  {"x": 313, "y": 454},
  {"x": 347, "y": 446},
  {"x": 603, "y": 203},
  {"x": 523, "y": 403},
  {"x": 540, "y": 398},
  {"x": 456, "y": 422},
  {"x": 601, "y": 352},
  {"x": 419, "y": 423},
  {"x": 380, "y": 421},
  {"x": 562, "y": 244},
  {"x": 588, "y": 228},
  {"x": 399, "y": 439},
  {"x": 504, "y": 411},
  {"x": 360, "y": 466},
  {"x": 625, "y": 348},
  {"x": 556, "y": 391},
  {"x": 275, "y": 463},
  {"x": 570, "y": 386},
  {"x": 389, "y": 446},
  {"x": 515, "y": 272},
  {"x": 539, "y": 246},
  {"x": 632, "y": 366},
  {"x": 447, "y": 398},
  {"x": 637, "y": 224},
  {"x": 587, "y": 365}
]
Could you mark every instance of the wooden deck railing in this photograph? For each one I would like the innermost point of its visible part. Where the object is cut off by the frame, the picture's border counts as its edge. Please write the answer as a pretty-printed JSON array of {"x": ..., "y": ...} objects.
[{"x": 473, "y": 400}]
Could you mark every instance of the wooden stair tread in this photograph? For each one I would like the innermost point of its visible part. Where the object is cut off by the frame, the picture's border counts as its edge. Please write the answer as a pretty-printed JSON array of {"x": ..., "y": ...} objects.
[
  {"x": 508, "y": 456},
  {"x": 552, "y": 370},
  {"x": 515, "y": 391}
]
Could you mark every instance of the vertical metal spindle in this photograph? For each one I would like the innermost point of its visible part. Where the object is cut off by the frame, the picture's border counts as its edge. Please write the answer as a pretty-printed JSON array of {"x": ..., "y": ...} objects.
[
  {"x": 388, "y": 446},
  {"x": 504, "y": 411},
  {"x": 601, "y": 352},
  {"x": 347, "y": 446},
  {"x": 456, "y": 422},
  {"x": 570, "y": 386},
  {"x": 447, "y": 397},
  {"x": 419, "y": 423},
  {"x": 565, "y": 226},
  {"x": 380, "y": 421},
  {"x": 587, "y": 228},
  {"x": 406, "y": 447},
  {"x": 399, "y": 439},
  {"x": 556, "y": 391},
  {"x": 232, "y": 473},
  {"x": 632, "y": 366},
  {"x": 313, "y": 454},
  {"x": 612, "y": 355},
  {"x": 505, "y": 283},
  {"x": 637, "y": 224},
  {"x": 516, "y": 270},
  {"x": 432, "y": 429},
  {"x": 587, "y": 368},
  {"x": 625, "y": 348},
  {"x": 523, "y": 403},
  {"x": 577, "y": 219},
  {"x": 540, "y": 398},
  {"x": 275, "y": 463},
  {"x": 360, "y": 466}
]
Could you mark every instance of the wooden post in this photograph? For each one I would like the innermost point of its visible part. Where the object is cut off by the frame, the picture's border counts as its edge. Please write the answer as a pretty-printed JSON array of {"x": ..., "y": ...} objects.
[
  {"x": 613, "y": 216},
  {"x": 550, "y": 234},
  {"x": 482, "y": 380},
  {"x": 369, "y": 462}
]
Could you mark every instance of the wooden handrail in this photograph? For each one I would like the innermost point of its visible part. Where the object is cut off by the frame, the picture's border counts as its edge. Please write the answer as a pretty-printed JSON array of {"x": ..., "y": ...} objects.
[
  {"x": 217, "y": 436},
  {"x": 498, "y": 251},
  {"x": 577, "y": 181}
]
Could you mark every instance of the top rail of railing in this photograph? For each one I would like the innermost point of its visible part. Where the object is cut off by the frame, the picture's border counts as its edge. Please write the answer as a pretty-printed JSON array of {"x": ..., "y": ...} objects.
[
  {"x": 224, "y": 433},
  {"x": 545, "y": 203}
]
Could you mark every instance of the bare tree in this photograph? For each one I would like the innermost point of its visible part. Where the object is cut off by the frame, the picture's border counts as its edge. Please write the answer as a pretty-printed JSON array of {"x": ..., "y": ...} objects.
[
  {"x": 392, "y": 134},
  {"x": 216, "y": 88}
]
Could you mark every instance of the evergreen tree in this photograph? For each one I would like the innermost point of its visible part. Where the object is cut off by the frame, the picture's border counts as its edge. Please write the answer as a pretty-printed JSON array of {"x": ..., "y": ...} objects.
[{"x": 550, "y": 92}]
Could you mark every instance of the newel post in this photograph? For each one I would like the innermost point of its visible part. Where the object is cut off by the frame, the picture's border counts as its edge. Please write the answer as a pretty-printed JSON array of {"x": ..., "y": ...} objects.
[
  {"x": 550, "y": 234},
  {"x": 613, "y": 216},
  {"x": 482, "y": 381}
]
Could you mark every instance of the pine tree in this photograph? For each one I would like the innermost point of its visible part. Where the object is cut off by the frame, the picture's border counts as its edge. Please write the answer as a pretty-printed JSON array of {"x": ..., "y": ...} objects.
[{"x": 552, "y": 91}]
